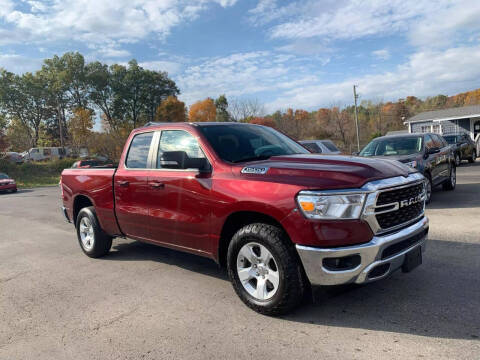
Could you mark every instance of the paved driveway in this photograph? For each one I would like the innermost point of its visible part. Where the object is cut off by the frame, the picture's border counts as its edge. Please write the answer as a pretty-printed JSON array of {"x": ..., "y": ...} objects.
[{"x": 146, "y": 302}]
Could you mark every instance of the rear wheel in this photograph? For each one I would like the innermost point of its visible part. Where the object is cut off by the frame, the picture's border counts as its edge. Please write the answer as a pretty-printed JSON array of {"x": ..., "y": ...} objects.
[
  {"x": 457, "y": 159},
  {"x": 452, "y": 179},
  {"x": 92, "y": 239},
  {"x": 473, "y": 157},
  {"x": 264, "y": 269}
]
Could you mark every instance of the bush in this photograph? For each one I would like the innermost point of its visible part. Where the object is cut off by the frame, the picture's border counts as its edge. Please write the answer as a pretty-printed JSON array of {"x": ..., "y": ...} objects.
[{"x": 32, "y": 174}]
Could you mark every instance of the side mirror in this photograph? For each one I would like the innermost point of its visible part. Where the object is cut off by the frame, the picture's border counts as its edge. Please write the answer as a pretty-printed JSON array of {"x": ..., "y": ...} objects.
[
  {"x": 180, "y": 160},
  {"x": 355, "y": 153},
  {"x": 173, "y": 160}
]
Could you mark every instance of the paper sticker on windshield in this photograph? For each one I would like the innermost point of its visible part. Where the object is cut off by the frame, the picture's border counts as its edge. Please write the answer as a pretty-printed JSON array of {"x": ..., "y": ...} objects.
[{"x": 254, "y": 170}]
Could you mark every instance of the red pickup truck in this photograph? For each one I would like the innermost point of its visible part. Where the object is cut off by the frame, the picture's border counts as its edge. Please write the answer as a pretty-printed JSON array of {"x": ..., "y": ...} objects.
[{"x": 279, "y": 218}]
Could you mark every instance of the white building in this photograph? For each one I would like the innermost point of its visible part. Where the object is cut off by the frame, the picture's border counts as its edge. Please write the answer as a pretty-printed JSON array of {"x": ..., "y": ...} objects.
[{"x": 461, "y": 120}]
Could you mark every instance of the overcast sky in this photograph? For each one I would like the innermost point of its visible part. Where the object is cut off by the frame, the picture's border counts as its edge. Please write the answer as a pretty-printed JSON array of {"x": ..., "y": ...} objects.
[{"x": 300, "y": 54}]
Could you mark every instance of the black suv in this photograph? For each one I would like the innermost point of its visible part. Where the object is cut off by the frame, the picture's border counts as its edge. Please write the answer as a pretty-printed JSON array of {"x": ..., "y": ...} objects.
[
  {"x": 463, "y": 147},
  {"x": 429, "y": 153}
]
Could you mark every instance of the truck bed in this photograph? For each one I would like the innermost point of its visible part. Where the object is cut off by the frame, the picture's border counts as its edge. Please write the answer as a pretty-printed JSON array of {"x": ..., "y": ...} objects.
[{"x": 96, "y": 185}]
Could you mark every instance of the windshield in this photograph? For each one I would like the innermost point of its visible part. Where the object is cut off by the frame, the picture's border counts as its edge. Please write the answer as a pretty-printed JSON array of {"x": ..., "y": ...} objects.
[
  {"x": 4, "y": 176},
  {"x": 452, "y": 139},
  {"x": 239, "y": 143},
  {"x": 393, "y": 146}
]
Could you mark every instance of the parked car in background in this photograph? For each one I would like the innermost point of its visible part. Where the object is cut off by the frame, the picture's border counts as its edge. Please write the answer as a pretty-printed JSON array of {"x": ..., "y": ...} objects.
[
  {"x": 45, "y": 153},
  {"x": 91, "y": 163},
  {"x": 463, "y": 147},
  {"x": 7, "y": 183},
  {"x": 14, "y": 157},
  {"x": 320, "y": 146},
  {"x": 427, "y": 152}
]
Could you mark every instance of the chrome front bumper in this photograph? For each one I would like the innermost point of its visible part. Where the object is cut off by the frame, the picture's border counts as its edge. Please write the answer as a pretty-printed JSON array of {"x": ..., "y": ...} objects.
[
  {"x": 65, "y": 214},
  {"x": 370, "y": 257}
]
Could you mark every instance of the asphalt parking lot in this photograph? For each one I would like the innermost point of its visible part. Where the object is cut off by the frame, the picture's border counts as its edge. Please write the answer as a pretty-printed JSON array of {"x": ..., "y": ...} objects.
[{"x": 146, "y": 302}]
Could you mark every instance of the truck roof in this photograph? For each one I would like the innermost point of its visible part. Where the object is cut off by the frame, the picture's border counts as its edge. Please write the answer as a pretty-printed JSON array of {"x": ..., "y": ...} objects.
[{"x": 210, "y": 123}]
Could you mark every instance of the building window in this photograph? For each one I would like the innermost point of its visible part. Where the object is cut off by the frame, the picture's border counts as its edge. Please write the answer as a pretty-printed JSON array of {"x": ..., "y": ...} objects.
[
  {"x": 436, "y": 129},
  {"x": 425, "y": 128}
]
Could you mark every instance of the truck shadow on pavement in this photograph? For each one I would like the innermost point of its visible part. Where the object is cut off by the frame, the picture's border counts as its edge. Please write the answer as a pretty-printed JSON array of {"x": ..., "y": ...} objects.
[{"x": 439, "y": 299}]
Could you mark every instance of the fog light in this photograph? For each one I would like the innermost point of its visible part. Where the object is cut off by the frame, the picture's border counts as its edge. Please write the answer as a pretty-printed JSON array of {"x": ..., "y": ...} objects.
[{"x": 341, "y": 263}]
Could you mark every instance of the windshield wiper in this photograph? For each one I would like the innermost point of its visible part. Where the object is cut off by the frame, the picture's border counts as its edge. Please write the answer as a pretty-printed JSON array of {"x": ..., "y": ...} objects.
[{"x": 253, "y": 158}]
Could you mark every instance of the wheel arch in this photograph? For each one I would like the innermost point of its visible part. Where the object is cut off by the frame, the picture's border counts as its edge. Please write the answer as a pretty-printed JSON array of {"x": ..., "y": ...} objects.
[
  {"x": 81, "y": 201},
  {"x": 234, "y": 222}
]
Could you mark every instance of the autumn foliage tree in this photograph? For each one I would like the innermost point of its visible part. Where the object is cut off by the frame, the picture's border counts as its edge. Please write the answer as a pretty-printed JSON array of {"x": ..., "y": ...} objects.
[
  {"x": 265, "y": 121},
  {"x": 171, "y": 110},
  {"x": 80, "y": 126},
  {"x": 203, "y": 111}
]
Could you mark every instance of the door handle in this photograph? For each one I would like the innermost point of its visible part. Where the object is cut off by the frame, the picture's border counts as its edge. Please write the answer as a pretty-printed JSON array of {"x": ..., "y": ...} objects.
[
  {"x": 123, "y": 183},
  {"x": 157, "y": 185}
]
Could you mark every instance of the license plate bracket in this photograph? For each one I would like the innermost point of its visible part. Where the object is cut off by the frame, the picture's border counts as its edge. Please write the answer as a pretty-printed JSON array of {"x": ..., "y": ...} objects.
[{"x": 412, "y": 259}]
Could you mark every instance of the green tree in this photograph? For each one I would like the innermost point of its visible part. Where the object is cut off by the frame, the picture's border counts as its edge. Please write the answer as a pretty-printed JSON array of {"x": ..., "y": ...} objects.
[
  {"x": 25, "y": 98},
  {"x": 221, "y": 104}
]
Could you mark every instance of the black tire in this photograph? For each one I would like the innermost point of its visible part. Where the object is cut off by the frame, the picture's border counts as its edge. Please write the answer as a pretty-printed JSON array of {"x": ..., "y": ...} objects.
[
  {"x": 429, "y": 193},
  {"x": 14, "y": 190},
  {"x": 101, "y": 243},
  {"x": 451, "y": 182},
  {"x": 291, "y": 284},
  {"x": 472, "y": 158}
]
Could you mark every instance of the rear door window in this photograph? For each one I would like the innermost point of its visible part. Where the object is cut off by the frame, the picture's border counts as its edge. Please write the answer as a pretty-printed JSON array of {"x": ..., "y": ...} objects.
[
  {"x": 137, "y": 157},
  {"x": 438, "y": 142},
  {"x": 429, "y": 143},
  {"x": 330, "y": 146},
  {"x": 314, "y": 148}
]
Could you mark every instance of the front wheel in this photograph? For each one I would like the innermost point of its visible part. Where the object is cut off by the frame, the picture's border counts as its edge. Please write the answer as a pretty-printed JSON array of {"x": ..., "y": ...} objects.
[
  {"x": 428, "y": 188},
  {"x": 92, "y": 239},
  {"x": 264, "y": 269},
  {"x": 452, "y": 179}
]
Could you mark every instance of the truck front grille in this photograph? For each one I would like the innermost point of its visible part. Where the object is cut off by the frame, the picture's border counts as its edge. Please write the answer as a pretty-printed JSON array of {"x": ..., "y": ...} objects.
[{"x": 405, "y": 205}]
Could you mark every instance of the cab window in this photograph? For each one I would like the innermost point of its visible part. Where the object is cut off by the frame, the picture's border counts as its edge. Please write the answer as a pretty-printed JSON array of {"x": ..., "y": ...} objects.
[
  {"x": 137, "y": 157},
  {"x": 178, "y": 149}
]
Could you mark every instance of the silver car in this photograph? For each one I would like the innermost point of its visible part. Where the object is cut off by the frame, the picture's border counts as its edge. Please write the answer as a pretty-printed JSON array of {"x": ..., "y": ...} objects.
[{"x": 320, "y": 146}]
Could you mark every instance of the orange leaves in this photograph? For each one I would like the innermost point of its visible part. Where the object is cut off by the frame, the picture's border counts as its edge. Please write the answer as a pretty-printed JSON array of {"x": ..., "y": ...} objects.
[
  {"x": 203, "y": 111},
  {"x": 263, "y": 121},
  {"x": 171, "y": 110}
]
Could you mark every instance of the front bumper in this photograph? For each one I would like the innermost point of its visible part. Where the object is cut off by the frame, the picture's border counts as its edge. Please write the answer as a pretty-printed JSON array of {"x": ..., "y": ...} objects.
[
  {"x": 375, "y": 260},
  {"x": 65, "y": 214},
  {"x": 8, "y": 187}
]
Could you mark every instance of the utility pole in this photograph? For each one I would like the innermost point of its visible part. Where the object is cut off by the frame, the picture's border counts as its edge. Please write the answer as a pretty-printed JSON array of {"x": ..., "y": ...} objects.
[
  {"x": 60, "y": 125},
  {"x": 355, "y": 96}
]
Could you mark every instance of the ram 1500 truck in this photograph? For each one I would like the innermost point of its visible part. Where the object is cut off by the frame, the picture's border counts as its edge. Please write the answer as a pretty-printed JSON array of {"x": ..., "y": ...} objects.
[{"x": 279, "y": 218}]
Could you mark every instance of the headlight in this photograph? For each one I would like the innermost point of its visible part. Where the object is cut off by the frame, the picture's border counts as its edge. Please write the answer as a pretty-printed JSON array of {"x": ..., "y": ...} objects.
[
  {"x": 331, "y": 206},
  {"x": 412, "y": 164}
]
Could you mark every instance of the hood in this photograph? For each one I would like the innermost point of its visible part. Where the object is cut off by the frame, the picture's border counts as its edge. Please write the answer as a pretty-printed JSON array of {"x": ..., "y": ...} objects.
[
  {"x": 5, "y": 181},
  {"x": 323, "y": 172}
]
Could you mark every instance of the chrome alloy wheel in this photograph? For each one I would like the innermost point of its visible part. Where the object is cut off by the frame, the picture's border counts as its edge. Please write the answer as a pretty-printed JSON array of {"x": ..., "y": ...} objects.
[
  {"x": 87, "y": 234},
  {"x": 258, "y": 271},
  {"x": 428, "y": 190},
  {"x": 453, "y": 176}
]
